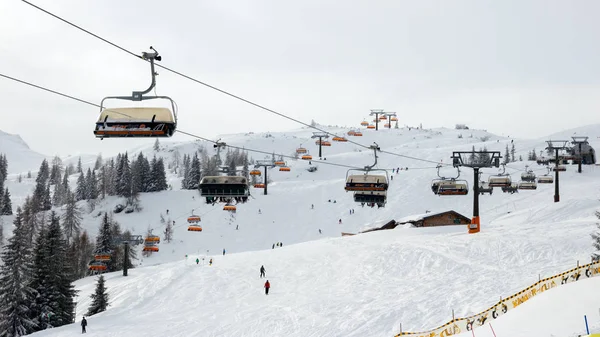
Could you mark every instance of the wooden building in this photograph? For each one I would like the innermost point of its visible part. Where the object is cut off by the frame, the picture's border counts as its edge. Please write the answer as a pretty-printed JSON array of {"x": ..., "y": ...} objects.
[{"x": 447, "y": 218}]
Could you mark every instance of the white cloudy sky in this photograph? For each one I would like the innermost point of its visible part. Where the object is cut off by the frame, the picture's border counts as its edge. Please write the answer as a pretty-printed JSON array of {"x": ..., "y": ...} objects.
[{"x": 523, "y": 68}]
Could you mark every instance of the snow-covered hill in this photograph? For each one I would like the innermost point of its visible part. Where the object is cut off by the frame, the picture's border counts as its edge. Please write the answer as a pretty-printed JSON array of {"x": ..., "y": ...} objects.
[
  {"x": 365, "y": 285},
  {"x": 20, "y": 157}
]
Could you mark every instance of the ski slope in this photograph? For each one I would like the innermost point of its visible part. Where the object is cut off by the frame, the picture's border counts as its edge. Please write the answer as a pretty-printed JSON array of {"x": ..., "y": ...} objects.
[{"x": 364, "y": 285}]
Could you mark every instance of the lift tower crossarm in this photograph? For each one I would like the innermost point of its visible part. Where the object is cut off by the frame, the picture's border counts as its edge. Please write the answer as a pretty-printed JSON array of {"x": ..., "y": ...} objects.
[
  {"x": 556, "y": 145},
  {"x": 476, "y": 160}
]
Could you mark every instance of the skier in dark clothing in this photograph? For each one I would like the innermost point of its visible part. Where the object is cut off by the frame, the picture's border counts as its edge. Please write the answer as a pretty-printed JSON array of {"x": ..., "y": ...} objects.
[
  {"x": 267, "y": 286},
  {"x": 262, "y": 271},
  {"x": 83, "y": 325}
]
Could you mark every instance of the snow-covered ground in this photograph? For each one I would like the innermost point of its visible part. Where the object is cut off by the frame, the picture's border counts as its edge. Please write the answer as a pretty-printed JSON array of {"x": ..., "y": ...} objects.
[{"x": 325, "y": 285}]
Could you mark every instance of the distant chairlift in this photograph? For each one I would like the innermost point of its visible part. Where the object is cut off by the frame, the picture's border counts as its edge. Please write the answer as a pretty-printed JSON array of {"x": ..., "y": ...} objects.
[
  {"x": 513, "y": 188},
  {"x": 500, "y": 180},
  {"x": 546, "y": 178},
  {"x": 528, "y": 175},
  {"x": 370, "y": 189},
  {"x": 449, "y": 186},
  {"x": 224, "y": 188}
]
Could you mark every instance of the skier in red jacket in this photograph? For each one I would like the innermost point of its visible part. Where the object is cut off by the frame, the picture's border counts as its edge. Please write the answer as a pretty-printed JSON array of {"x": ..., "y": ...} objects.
[{"x": 267, "y": 286}]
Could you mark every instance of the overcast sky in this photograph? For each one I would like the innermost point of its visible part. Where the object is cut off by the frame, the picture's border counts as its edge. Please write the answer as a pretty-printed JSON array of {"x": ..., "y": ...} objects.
[{"x": 519, "y": 68}]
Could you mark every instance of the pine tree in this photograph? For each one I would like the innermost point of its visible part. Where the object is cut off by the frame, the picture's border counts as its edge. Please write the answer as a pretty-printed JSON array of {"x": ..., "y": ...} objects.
[
  {"x": 156, "y": 146},
  {"x": 71, "y": 218},
  {"x": 194, "y": 173},
  {"x": 59, "y": 289},
  {"x": 79, "y": 167},
  {"x": 104, "y": 241},
  {"x": 512, "y": 153},
  {"x": 70, "y": 169},
  {"x": 169, "y": 231},
  {"x": 29, "y": 174},
  {"x": 186, "y": 172},
  {"x": 43, "y": 173},
  {"x": 124, "y": 179},
  {"x": 81, "y": 191},
  {"x": 533, "y": 155},
  {"x": 93, "y": 186},
  {"x": 47, "y": 201},
  {"x": 98, "y": 163},
  {"x": 159, "y": 178},
  {"x": 6, "y": 204},
  {"x": 40, "y": 280},
  {"x": 16, "y": 296},
  {"x": 99, "y": 298},
  {"x": 80, "y": 252}
]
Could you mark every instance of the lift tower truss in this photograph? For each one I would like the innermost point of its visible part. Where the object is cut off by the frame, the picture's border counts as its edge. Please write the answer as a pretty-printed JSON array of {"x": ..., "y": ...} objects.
[
  {"x": 389, "y": 116},
  {"x": 265, "y": 164},
  {"x": 556, "y": 145},
  {"x": 320, "y": 135},
  {"x": 578, "y": 141},
  {"x": 376, "y": 113},
  {"x": 476, "y": 160},
  {"x": 126, "y": 241}
]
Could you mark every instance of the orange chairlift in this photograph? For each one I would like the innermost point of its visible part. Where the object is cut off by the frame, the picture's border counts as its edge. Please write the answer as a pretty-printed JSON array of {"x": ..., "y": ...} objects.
[
  {"x": 259, "y": 185},
  {"x": 449, "y": 186},
  {"x": 339, "y": 139},
  {"x": 371, "y": 126},
  {"x": 97, "y": 266},
  {"x": 284, "y": 169},
  {"x": 255, "y": 173},
  {"x": 301, "y": 150},
  {"x": 364, "y": 123}
]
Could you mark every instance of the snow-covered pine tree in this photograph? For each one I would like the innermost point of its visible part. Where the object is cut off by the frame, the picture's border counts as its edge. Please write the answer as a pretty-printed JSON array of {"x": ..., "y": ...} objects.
[
  {"x": 55, "y": 174},
  {"x": 47, "y": 201},
  {"x": 99, "y": 298},
  {"x": 39, "y": 280},
  {"x": 117, "y": 262},
  {"x": 79, "y": 167},
  {"x": 512, "y": 153},
  {"x": 16, "y": 296},
  {"x": 169, "y": 231},
  {"x": 99, "y": 162},
  {"x": 81, "y": 190},
  {"x": 146, "y": 174},
  {"x": 245, "y": 168},
  {"x": 29, "y": 174},
  {"x": 6, "y": 204},
  {"x": 3, "y": 168},
  {"x": 185, "y": 173},
  {"x": 159, "y": 177},
  {"x": 71, "y": 218},
  {"x": 56, "y": 195},
  {"x": 533, "y": 154},
  {"x": 70, "y": 169},
  {"x": 194, "y": 173},
  {"x": 93, "y": 185},
  {"x": 156, "y": 146},
  {"x": 81, "y": 251},
  {"x": 104, "y": 240},
  {"x": 123, "y": 177},
  {"x": 43, "y": 173},
  {"x": 61, "y": 291}
]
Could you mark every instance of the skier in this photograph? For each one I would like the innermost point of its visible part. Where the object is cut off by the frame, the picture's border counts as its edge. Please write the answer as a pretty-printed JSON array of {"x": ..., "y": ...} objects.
[
  {"x": 312, "y": 206},
  {"x": 273, "y": 246},
  {"x": 340, "y": 221},
  {"x": 223, "y": 251},
  {"x": 237, "y": 227},
  {"x": 84, "y": 324},
  {"x": 267, "y": 286},
  {"x": 210, "y": 262},
  {"x": 197, "y": 260},
  {"x": 320, "y": 231},
  {"x": 262, "y": 271},
  {"x": 392, "y": 177},
  {"x": 167, "y": 212},
  {"x": 259, "y": 212}
]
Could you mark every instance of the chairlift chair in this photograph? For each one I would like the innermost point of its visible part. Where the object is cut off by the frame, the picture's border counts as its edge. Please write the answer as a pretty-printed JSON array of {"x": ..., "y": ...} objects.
[
  {"x": 386, "y": 125},
  {"x": 358, "y": 134},
  {"x": 545, "y": 179},
  {"x": 307, "y": 157},
  {"x": 513, "y": 188},
  {"x": 97, "y": 266},
  {"x": 382, "y": 118},
  {"x": 138, "y": 121},
  {"x": 339, "y": 139},
  {"x": 259, "y": 185},
  {"x": 350, "y": 133},
  {"x": 195, "y": 228},
  {"x": 301, "y": 150},
  {"x": 559, "y": 168},
  {"x": 500, "y": 180},
  {"x": 226, "y": 187},
  {"x": 528, "y": 176},
  {"x": 364, "y": 123},
  {"x": 193, "y": 218},
  {"x": 279, "y": 163},
  {"x": 484, "y": 187},
  {"x": 527, "y": 185},
  {"x": 394, "y": 119},
  {"x": 229, "y": 208},
  {"x": 284, "y": 169},
  {"x": 150, "y": 247},
  {"x": 152, "y": 239},
  {"x": 454, "y": 187},
  {"x": 370, "y": 126},
  {"x": 102, "y": 256},
  {"x": 255, "y": 173},
  {"x": 366, "y": 181}
]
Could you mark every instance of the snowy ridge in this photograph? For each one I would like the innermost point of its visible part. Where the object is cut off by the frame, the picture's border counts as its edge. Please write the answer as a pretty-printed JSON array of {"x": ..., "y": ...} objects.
[{"x": 20, "y": 157}]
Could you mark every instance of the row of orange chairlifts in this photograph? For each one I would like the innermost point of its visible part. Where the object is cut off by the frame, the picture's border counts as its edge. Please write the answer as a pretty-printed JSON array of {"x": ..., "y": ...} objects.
[
  {"x": 381, "y": 118},
  {"x": 100, "y": 259}
]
